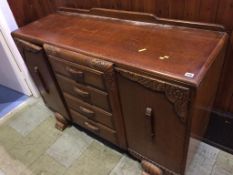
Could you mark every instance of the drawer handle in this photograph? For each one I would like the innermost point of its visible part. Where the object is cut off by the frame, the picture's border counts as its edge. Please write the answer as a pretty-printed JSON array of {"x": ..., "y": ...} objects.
[
  {"x": 76, "y": 75},
  {"x": 86, "y": 112},
  {"x": 150, "y": 121},
  {"x": 91, "y": 127},
  {"x": 81, "y": 93},
  {"x": 41, "y": 79}
]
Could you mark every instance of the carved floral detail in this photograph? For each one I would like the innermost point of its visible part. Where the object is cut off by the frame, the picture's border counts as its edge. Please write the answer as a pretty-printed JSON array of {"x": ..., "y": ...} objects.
[
  {"x": 177, "y": 95},
  {"x": 100, "y": 65}
]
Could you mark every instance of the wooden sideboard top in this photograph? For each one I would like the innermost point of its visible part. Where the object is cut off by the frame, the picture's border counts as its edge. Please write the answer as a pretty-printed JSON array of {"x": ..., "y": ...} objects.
[{"x": 162, "y": 50}]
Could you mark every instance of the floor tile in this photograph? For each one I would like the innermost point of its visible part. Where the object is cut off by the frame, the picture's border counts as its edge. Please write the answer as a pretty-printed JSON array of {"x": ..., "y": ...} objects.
[
  {"x": 45, "y": 165},
  {"x": 97, "y": 159},
  {"x": 127, "y": 166},
  {"x": 1, "y": 172},
  {"x": 29, "y": 119},
  {"x": 9, "y": 137},
  {"x": 9, "y": 165},
  {"x": 203, "y": 161},
  {"x": 224, "y": 164},
  {"x": 36, "y": 143},
  {"x": 69, "y": 146}
]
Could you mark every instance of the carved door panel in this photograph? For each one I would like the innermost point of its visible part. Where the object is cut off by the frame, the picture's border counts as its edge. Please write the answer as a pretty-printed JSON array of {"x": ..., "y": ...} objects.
[
  {"x": 155, "y": 118},
  {"x": 35, "y": 59}
]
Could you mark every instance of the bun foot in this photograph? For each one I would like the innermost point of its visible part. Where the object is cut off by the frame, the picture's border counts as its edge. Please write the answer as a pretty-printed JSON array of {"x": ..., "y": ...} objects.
[
  {"x": 150, "y": 169},
  {"x": 61, "y": 122}
]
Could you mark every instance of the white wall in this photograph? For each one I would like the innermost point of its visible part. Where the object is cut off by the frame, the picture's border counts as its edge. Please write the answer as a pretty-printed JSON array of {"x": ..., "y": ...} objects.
[
  {"x": 8, "y": 76},
  {"x": 13, "y": 71}
]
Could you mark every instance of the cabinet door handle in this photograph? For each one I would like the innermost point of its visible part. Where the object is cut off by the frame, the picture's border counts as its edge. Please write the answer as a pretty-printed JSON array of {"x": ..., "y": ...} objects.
[
  {"x": 41, "y": 79},
  {"x": 91, "y": 127},
  {"x": 150, "y": 121},
  {"x": 81, "y": 93},
  {"x": 86, "y": 112},
  {"x": 76, "y": 75}
]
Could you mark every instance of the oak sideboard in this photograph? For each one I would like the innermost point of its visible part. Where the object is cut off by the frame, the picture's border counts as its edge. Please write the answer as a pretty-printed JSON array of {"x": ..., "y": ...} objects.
[{"x": 143, "y": 83}]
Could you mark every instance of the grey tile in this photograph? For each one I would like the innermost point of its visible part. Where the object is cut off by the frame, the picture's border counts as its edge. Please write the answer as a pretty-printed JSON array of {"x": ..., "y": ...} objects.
[
  {"x": 45, "y": 165},
  {"x": 1, "y": 172},
  {"x": 127, "y": 166},
  {"x": 29, "y": 119},
  {"x": 224, "y": 164},
  {"x": 8, "y": 165},
  {"x": 218, "y": 171},
  {"x": 96, "y": 160},
  {"x": 9, "y": 137},
  {"x": 69, "y": 146},
  {"x": 36, "y": 143},
  {"x": 203, "y": 161}
]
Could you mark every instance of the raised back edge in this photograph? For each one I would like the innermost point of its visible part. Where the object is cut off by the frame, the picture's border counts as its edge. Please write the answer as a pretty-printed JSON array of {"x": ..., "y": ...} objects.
[{"x": 142, "y": 17}]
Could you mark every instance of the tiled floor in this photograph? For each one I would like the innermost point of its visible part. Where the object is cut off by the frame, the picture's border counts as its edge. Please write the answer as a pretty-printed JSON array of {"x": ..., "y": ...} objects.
[{"x": 30, "y": 145}]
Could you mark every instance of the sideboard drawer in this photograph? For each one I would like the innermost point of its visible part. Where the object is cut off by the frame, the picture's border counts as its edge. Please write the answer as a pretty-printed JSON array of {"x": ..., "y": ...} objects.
[
  {"x": 78, "y": 73},
  {"x": 92, "y": 112},
  {"x": 94, "y": 127},
  {"x": 85, "y": 93}
]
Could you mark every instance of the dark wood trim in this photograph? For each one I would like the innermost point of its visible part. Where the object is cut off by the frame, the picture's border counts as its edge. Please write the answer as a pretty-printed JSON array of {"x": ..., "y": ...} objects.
[{"x": 144, "y": 17}]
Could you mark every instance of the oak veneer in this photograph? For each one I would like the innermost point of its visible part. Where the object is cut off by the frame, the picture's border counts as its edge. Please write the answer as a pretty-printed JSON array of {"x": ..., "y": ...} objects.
[{"x": 160, "y": 78}]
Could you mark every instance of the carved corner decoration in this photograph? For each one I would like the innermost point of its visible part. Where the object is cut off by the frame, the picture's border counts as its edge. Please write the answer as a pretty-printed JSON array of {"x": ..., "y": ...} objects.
[
  {"x": 107, "y": 68},
  {"x": 100, "y": 65},
  {"x": 177, "y": 95}
]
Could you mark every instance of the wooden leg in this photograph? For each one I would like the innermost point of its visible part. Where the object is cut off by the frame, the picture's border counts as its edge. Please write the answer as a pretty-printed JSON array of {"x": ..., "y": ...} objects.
[
  {"x": 144, "y": 173},
  {"x": 61, "y": 122},
  {"x": 150, "y": 169}
]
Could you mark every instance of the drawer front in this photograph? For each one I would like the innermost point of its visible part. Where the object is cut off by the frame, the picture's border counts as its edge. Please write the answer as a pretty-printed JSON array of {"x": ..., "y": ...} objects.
[
  {"x": 85, "y": 93},
  {"x": 94, "y": 127},
  {"x": 89, "y": 111},
  {"x": 78, "y": 73}
]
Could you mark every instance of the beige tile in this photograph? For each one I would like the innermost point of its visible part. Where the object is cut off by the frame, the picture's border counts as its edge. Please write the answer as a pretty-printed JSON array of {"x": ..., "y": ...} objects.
[
  {"x": 224, "y": 164},
  {"x": 69, "y": 146},
  {"x": 36, "y": 143},
  {"x": 127, "y": 166},
  {"x": 10, "y": 166},
  {"x": 45, "y": 165},
  {"x": 97, "y": 159},
  {"x": 9, "y": 137},
  {"x": 218, "y": 171},
  {"x": 203, "y": 160},
  {"x": 29, "y": 119},
  {"x": 13, "y": 113}
]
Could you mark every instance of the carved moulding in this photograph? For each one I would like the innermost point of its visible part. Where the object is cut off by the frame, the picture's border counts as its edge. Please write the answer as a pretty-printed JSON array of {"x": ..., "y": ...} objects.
[{"x": 176, "y": 94}]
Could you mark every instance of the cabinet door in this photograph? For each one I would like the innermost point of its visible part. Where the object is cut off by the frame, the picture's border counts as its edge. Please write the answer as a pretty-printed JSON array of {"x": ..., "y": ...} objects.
[
  {"x": 155, "y": 118},
  {"x": 36, "y": 61}
]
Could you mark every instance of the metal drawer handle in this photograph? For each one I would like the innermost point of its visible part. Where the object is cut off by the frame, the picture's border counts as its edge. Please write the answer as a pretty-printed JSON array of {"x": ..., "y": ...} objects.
[
  {"x": 91, "y": 127},
  {"x": 81, "y": 93},
  {"x": 42, "y": 81},
  {"x": 76, "y": 75},
  {"x": 86, "y": 112},
  {"x": 150, "y": 121}
]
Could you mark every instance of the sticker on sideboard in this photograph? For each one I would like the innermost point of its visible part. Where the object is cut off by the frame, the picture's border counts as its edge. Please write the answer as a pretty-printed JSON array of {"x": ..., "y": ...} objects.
[{"x": 189, "y": 75}]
